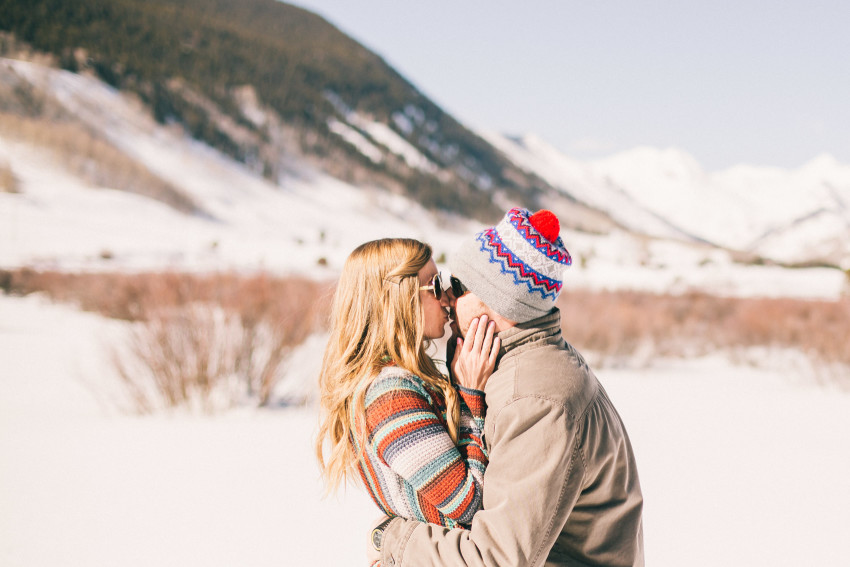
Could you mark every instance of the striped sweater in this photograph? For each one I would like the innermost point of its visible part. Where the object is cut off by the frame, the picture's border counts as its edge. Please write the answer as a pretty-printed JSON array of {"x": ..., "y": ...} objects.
[{"x": 410, "y": 465}]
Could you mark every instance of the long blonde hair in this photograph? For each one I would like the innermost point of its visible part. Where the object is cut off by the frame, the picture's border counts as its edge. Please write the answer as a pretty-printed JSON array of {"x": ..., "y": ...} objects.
[{"x": 377, "y": 316}]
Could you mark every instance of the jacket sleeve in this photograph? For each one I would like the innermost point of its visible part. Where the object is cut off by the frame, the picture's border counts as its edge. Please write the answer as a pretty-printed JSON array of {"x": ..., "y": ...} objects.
[
  {"x": 408, "y": 435},
  {"x": 533, "y": 481}
]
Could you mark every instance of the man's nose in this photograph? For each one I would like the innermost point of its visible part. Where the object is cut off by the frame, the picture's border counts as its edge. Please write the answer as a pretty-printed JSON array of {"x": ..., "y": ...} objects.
[
  {"x": 447, "y": 299},
  {"x": 450, "y": 298}
]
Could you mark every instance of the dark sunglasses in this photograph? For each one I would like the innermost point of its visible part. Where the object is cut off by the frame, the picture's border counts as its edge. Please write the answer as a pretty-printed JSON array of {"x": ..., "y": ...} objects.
[{"x": 437, "y": 287}]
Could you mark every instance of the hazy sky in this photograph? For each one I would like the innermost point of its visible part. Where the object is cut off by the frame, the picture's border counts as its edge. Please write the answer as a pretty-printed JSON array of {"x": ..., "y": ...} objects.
[{"x": 761, "y": 82}]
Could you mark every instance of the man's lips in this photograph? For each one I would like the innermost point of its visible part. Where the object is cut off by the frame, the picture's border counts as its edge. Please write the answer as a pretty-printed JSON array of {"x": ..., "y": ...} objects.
[{"x": 453, "y": 324}]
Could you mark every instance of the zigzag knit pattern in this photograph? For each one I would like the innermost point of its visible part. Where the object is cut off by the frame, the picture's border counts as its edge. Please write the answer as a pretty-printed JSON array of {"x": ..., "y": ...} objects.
[
  {"x": 512, "y": 265},
  {"x": 410, "y": 465},
  {"x": 525, "y": 228}
]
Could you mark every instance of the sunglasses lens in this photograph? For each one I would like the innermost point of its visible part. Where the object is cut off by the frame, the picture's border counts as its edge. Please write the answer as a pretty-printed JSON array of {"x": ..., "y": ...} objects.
[
  {"x": 437, "y": 282},
  {"x": 458, "y": 288}
]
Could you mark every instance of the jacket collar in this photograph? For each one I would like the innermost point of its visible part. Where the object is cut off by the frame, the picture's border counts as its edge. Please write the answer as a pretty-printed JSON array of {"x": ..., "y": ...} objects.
[{"x": 544, "y": 330}]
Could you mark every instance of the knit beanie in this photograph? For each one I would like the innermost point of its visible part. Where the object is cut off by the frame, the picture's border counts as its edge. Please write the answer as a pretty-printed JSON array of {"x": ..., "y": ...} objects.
[{"x": 516, "y": 267}]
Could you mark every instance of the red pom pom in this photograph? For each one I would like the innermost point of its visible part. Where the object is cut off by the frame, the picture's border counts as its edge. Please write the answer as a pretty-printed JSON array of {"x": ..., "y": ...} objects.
[{"x": 546, "y": 223}]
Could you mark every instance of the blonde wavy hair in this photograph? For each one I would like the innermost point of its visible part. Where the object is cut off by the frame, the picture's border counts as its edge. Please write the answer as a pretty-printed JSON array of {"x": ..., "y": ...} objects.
[{"x": 377, "y": 316}]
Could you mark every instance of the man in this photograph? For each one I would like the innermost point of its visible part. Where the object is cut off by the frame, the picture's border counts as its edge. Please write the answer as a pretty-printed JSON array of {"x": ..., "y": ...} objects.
[{"x": 562, "y": 485}]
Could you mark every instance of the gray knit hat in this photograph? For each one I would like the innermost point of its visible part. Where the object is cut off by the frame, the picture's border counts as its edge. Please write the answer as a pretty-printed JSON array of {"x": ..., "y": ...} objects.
[{"x": 515, "y": 268}]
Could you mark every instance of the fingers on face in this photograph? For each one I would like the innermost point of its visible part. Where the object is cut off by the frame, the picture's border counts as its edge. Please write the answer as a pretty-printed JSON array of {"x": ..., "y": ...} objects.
[
  {"x": 470, "y": 335},
  {"x": 480, "y": 332},
  {"x": 494, "y": 353},
  {"x": 488, "y": 337},
  {"x": 480, "y": 336}
]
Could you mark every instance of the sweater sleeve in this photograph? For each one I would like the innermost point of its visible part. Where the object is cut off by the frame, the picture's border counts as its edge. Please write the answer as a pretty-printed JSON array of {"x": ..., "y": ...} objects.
[
  {"x": 407, "y": 433},
  {"x": 470, "y": 439}
]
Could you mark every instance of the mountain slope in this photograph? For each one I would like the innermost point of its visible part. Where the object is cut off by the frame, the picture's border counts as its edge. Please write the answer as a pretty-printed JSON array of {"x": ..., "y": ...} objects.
[
  {"x": 59, "y": 217},
  {"x": 271, "y": 85},
  {"x": 581, "y": 183},
  {"x": 797, "y": 216}
]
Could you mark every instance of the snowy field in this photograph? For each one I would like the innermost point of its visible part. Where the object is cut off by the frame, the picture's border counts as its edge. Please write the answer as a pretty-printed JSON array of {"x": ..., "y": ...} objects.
[{"x": 739, "y": 465}]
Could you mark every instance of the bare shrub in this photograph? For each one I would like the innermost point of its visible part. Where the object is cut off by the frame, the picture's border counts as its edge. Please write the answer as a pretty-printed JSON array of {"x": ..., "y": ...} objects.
[
  {"x": 205, "y": 357},
  {"x": 618, "y": 324},
  {"x": 8, "y": 181},
  {"x": 181, "y": 357},
  {"x": 622, "y": 326},
  {"x": 119, "y": 296},
  {"x": 275, "y": 315},
  {"x": 208, "y": 341},
  {"x": 227, "y": 346}
]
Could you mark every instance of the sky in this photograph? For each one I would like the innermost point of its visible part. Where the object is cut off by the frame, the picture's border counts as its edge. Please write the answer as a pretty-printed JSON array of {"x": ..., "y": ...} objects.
[{"x": 730, "y": 82}]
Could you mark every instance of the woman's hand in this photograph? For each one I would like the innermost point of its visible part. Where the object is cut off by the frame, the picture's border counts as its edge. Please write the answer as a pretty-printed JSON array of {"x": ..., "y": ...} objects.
[{"x": 475, "y": 358}]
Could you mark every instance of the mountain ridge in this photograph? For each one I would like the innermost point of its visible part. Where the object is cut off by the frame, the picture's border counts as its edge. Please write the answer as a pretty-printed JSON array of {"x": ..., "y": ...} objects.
[
  {"x": 60, "y": 216},
  {"x": 350, "y": 115},
  {"x": 760, "y": 210},
  {"x": 191, "y": 61}
]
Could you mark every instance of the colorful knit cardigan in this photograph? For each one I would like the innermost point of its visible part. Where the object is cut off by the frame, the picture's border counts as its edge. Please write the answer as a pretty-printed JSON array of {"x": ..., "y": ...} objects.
[{"x": 410, "y": 465}]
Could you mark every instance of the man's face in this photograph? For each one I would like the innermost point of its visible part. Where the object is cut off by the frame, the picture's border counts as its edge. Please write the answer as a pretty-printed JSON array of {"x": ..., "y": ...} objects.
[{"x": 463, "y": 310}]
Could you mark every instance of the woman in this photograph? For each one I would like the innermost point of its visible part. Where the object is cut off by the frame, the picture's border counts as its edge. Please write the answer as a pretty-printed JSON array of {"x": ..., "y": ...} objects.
[{"x": 412, "y": 435}]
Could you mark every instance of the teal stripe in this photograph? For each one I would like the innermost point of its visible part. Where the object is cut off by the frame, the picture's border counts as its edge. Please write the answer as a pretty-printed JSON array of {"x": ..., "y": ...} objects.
[
  {"x": 413, "y": 500},
  {"x": 385, "y": 384},
  {"x": 390, "y": 427},
  {"x": 433, "y": 468},
  {"x": 452, "y": 506}
]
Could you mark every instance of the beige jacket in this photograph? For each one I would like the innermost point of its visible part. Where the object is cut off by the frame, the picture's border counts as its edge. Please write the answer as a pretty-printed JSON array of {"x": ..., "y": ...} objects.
[{"x": 562, "y": 484}]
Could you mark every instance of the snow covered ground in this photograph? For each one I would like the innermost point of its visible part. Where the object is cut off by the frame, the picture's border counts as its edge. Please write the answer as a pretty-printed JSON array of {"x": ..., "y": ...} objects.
[{"x": 739, "y": 465}]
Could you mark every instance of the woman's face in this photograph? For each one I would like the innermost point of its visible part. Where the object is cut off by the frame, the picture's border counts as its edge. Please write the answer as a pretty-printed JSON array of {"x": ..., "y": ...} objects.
[{"x": 436, "y": 313}]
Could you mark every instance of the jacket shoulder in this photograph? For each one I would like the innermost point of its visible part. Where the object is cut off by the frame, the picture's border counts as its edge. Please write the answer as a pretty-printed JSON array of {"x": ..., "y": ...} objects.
[{"x": 556, "y": 372}]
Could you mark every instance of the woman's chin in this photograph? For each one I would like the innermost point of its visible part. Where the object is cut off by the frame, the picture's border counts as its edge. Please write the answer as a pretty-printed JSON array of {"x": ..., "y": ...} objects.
[{"x": 436, "y": 335}]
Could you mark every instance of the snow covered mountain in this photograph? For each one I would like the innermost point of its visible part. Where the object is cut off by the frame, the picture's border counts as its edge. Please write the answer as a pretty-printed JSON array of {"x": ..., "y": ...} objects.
[
  {"x": 797, "y": 216},
  {"x": 59, "y": 217},
  {"x": 273, "y": 86},
  {"x": 68, "y": 209},
  {"x": 284, "y": 101}
]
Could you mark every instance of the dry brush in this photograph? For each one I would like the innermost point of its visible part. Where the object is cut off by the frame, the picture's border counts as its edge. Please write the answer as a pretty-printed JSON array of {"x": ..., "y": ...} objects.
[
  {"x": 220, "y": 339},
  {"x": 208, "y": 341}
]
